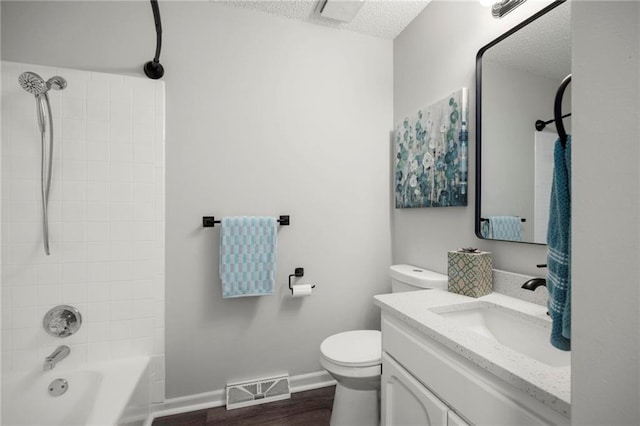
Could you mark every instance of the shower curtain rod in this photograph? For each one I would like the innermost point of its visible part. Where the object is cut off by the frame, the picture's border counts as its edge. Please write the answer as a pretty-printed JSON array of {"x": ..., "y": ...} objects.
[
  {"x": 557, "y": 110},
  {"x": 153, "y": 69},
  {"x": 540, "y": 124}
]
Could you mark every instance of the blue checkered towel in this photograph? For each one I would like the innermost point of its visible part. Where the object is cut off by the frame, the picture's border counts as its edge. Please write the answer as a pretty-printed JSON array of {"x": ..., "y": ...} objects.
[
  {"x": 503, "y": 228},
  {"x": 559, "y": 248},
  {"x": 248, "y": 256}
]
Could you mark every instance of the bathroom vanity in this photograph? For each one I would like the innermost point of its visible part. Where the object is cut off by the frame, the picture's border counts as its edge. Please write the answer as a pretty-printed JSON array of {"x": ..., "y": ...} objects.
[{"x": 453, "y": 360}]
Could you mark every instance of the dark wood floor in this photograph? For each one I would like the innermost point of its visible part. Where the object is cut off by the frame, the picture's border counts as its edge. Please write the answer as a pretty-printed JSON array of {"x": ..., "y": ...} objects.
[{"x": 310, "y": 408}]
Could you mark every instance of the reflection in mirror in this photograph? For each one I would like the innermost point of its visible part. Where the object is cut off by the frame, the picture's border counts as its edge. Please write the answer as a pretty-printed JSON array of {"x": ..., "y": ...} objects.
[{"x": 517, "y": 77}]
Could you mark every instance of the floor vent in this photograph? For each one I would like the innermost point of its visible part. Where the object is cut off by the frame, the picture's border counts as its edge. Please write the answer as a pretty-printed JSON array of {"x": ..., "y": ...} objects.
[{"x": 257, "y": 392}]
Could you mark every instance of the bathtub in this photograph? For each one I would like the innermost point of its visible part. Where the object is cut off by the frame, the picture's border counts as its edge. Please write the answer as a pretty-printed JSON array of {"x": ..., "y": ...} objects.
[{"x": 97, "y": 394}]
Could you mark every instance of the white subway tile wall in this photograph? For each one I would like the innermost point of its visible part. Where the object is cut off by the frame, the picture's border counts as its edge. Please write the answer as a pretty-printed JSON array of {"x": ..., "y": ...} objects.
[{"x": 106, "y": 219}]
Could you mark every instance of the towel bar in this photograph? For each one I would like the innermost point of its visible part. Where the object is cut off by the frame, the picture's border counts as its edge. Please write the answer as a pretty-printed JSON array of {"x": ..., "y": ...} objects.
[
  {"x": 210, "y": 221},
  {"x": 482, "y": 219}
]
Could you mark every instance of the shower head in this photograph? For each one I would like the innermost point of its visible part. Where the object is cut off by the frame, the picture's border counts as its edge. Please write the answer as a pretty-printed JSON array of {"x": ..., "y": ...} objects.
[
  {"x": 32, "y": 83},
  {"x": 56, "y": 82}
]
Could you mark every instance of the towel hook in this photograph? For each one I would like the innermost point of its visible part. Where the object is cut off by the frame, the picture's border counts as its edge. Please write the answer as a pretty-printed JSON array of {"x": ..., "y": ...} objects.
[{"x": 557, "y": 110}]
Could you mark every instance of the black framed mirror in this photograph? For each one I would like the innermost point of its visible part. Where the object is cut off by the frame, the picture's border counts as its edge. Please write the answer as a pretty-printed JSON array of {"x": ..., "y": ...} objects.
[{"x": 517, "y": 78}]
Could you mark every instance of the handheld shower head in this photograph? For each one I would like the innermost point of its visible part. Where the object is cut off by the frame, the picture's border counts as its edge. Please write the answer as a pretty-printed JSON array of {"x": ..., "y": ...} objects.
[
  {"x": 32, "y": 83},
  {"x": 56, "y": 82}
]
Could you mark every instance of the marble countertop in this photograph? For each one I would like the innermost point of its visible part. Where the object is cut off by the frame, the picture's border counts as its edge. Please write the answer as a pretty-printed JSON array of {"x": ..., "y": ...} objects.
[{"x": 549, "y": 385}]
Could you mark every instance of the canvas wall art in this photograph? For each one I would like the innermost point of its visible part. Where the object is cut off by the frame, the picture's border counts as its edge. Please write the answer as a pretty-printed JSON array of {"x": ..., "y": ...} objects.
[{"x": 431, "y": 155}]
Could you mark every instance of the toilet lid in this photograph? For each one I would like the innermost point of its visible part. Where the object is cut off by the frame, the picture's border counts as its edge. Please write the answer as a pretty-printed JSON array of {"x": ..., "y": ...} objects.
[{"x": 360, "y": 348}]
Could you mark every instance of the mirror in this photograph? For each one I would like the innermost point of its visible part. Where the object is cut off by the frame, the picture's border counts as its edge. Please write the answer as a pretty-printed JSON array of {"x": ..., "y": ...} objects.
[{"x": 517, "y": 78}]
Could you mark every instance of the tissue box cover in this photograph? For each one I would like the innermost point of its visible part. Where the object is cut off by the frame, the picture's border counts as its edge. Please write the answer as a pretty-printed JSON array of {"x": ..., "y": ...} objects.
[{"x": 470, "y": 274}]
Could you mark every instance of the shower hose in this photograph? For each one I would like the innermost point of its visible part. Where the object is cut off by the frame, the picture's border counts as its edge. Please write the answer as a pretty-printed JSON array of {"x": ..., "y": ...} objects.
[{"x": 43, "y": 108}]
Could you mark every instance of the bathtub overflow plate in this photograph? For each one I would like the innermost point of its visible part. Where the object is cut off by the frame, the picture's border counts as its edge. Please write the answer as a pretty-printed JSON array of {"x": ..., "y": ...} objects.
[{"x": 58, "y": 387}]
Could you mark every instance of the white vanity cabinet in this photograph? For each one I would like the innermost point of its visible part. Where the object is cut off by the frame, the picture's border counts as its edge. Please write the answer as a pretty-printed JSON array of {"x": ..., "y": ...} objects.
[
  {"x": 407, "y": 402},
  {"x": 425, "y": 383}
]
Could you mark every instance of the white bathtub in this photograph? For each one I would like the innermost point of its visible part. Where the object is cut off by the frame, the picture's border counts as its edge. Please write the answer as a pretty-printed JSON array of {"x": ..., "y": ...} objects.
[{"x": 97, "y": 394}]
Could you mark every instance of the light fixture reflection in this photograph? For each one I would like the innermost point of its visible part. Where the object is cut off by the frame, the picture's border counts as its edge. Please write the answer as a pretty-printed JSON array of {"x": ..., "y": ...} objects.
[{"x": 502, "y": 7}]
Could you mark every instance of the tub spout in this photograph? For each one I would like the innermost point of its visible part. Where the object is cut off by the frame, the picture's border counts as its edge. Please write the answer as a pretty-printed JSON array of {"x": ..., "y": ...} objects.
[{"x": 58, "y": 355}]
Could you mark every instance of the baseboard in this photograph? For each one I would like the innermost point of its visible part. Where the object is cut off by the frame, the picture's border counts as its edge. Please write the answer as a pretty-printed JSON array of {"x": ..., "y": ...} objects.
[
  {"x": 310, "y": 381},
  {"x": 203, "y": 401}
]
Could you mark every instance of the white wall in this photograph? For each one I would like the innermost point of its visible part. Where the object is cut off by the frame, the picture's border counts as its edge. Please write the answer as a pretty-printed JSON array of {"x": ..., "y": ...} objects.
[
  {"x": 0, "y": 217},
  {"x": 106, "y": 220},
  {"x": 291, "y": 119},
  {"x": 434, "y": 55},
  {"x": 508, "y": 146},
  {"x": 265, "y": 116},
  {"x": 606, "y": 213},
  {"x": 543, "y": 179}
]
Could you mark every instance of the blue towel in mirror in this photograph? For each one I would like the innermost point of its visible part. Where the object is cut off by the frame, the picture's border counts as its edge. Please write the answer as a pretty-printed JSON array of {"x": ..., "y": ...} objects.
[
  {"x": 503, "y": 228},
  {"x": 559, "y": 247},
  {"x": 248, "y": 248}
]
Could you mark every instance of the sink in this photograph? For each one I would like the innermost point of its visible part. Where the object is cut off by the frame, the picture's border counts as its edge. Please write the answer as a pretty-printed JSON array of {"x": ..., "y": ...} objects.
[{"x": 523, "y": 333}]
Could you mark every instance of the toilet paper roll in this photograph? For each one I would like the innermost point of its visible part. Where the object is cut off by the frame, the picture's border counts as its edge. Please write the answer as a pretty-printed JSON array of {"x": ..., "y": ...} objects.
[{"x": 301, "y": 290}]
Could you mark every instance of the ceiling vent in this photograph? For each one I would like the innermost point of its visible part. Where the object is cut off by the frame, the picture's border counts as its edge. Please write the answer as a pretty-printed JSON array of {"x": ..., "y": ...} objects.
[{"x": 341, "y": 10}]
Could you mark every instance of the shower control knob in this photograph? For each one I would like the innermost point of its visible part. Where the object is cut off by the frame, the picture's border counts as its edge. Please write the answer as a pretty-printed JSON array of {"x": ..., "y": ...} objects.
[{"x": 62, "y": 321}]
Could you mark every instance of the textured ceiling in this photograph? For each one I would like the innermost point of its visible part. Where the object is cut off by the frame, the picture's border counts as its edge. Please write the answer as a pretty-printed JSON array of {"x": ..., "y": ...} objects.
[
  {"x": 378, "y": 18},
  {"x": 542, "y": 47}
]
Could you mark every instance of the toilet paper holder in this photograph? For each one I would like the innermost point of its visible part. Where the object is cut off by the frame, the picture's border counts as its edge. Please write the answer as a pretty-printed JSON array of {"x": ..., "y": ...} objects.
[{"x": 298, "y": 272}]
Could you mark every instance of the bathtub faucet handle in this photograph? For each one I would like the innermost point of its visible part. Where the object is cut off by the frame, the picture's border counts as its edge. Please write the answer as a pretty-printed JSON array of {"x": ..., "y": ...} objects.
[
  {"x": 56, "y": 356},
  {"x": 62, "y": 321}
]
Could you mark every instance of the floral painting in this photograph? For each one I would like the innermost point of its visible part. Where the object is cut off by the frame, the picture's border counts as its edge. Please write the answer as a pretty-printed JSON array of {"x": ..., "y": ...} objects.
[{"x": 431, "y": 155}]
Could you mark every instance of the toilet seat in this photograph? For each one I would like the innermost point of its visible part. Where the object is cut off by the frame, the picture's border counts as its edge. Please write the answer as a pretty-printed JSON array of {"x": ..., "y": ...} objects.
[
  {"x": 371, "y": 371},
  {"x": 354, "y": 349}
]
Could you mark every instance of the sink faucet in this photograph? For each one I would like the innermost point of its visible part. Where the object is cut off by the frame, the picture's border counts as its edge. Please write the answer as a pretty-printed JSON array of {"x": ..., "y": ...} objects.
[
  {"x": 58, "y": 355},
  {"x": 534, "y": 283}
]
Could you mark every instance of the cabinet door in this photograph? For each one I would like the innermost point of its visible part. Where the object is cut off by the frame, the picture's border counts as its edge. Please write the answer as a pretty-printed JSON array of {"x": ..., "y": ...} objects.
[
  {"x": 455, "y": 420},
  {"x": 405, "y": 401}
]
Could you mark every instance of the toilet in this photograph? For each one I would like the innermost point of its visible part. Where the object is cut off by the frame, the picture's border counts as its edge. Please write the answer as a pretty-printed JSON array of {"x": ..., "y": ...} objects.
[{"x": 353, "y": 358}]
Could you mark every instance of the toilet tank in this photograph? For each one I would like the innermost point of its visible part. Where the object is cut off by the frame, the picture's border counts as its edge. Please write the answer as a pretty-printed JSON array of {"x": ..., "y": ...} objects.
[{"x": 412, "y": 278}]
